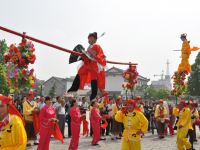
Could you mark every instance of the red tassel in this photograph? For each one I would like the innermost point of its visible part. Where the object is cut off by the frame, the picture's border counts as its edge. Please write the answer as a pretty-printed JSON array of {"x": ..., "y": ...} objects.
[
  {"x": 106, "y": 116},
  {"x": 36, "y": 122},
  {"x": 85, "y": 127},
  {"x": 56, "y": 132},
  {"x": 104, "y": 125}
]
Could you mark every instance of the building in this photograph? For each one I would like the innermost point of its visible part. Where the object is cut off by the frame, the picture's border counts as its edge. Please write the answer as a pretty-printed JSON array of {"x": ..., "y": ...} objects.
[
  {"x": 163, "y": 83},
  {"x": 114, "y": 81},
  {"x": 62, "y": 85}
]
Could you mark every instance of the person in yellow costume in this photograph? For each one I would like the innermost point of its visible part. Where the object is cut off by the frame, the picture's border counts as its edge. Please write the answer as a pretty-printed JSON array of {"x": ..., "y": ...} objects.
[
  {"x": 138, "y": 101},
  {"x": 183, "y": 125},
  {"x": 12, "y": 133},
  {"x": 185, "y": 54},
  {"x": 135, "y": 123},
  {"x": 28, "y": 106},
  {"x": 160, "y": 112},
  {"x": 116, "y": 126}
]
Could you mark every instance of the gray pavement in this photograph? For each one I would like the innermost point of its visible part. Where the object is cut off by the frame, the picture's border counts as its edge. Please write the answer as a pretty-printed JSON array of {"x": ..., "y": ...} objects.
[{"x": 148, "y": 142}]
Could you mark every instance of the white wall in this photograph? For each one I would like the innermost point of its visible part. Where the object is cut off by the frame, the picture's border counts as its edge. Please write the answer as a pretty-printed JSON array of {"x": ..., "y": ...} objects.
[
  {"x": 114, "y": 83},
  {"x": 69, "y": 84}
]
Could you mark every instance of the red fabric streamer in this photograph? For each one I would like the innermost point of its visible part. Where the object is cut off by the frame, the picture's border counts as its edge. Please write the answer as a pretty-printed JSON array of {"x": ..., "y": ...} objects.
[
  {"x": 104, "y": 125},
  {"x": 85, "y": 126},
  {"x": 131, "y": 101},
  {"x": 36, "y": 122},
  {"x": 106, "y": 116},
  {"x": 55, "y": 131}
]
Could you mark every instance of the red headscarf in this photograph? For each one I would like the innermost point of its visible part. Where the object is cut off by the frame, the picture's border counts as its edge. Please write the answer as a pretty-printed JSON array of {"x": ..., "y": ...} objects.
[
  {"x": 137, "y": 98},
  {"x": 12, "y": 110},
  {"x": 117, "y": 101},
  {"x": 30, "y": 94},
  {"x": 192, "y": 104},
  {"x": 182, "y": 102},
  {"x": 131, "y": 101},
  {"x": 161, "y": 101}
]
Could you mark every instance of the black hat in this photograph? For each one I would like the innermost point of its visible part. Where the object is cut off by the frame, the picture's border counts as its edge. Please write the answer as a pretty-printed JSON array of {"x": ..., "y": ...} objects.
[{"x": 93, "y": 34}]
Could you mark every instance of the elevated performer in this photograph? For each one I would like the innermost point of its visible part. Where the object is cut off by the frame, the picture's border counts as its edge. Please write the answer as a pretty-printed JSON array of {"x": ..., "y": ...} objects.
[
  {"x": 91, "y": 70},
  {"x": 135, "y": 123},
  {"x": 183, "y": 125}
]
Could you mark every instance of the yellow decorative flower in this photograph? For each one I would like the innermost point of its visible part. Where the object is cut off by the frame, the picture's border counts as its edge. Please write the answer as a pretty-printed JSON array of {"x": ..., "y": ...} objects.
[
  {"x": 30, "y": 78},
  {"x": 31, "y": 82},
  {"x": 12, "y": 90},
  {"x": 127, "y": 76}
]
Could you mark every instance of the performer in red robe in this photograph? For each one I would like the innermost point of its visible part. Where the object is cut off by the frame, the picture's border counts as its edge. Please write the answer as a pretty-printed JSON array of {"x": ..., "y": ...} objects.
[
  {"x": 75, "y": 125},
  {"x": 91, "y": 70},
  {"x": 172, "y": 119},
  {"x": 95, "y": 120},
  {"x": 47, "y": 115}
]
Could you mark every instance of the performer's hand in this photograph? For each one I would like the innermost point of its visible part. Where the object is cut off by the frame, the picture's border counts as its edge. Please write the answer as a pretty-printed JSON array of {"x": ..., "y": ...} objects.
[
  {"x": 177, "y": 106},
  {"x": 157, "y": 120},
  {"x": 123, "y": 108},
  {"x": 139, "y": 132},
  {"x": 180, "y": 126}
]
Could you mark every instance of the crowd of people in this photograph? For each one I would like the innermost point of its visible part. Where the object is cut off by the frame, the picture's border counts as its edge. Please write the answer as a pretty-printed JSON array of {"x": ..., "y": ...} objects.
[{"x": 126, "y": 120}]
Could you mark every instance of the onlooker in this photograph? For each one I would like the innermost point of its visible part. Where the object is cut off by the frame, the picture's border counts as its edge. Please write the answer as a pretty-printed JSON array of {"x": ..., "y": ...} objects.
[
  {"x": 79, "y": 102},
  {"x": 37, "y": 101},
  {"x": 84, "y": 106},
  {"x": 41, "y": 104},
  {"x": 23, "y": 99},
  {"x": 68, "y": 108},
  {"x": 60, "y": 111},
  {"x": 110, "y": 121},
  {"x": 146, "y": 112},
  {"x": 55, "y": 105},
  {"x": 54, "y": 100}
]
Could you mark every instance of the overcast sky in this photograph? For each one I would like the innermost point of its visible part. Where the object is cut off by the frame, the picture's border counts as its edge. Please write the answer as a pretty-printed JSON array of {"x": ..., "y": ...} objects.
[{"x": 139, "y": 31}]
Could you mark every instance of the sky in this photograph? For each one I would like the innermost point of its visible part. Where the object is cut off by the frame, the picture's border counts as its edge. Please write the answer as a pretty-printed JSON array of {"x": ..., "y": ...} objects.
[{"x": 138, "y": 31}]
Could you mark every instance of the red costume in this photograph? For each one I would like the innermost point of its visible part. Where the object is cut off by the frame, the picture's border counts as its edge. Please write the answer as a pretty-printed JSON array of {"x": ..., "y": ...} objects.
[
  {"x": 75, "y": 127},
  {"x": 91, "y": 70},
  {"x": 95, "y": 120},
  {"x": 171, "y": 130},
  {"x": 46, "y": 113}
]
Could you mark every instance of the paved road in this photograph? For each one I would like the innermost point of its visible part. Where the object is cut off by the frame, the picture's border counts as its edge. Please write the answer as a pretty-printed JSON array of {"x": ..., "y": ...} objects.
[{"x": 149, "y": 142}]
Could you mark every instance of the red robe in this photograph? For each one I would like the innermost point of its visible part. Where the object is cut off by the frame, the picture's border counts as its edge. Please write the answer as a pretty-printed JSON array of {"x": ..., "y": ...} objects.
[{"x": 93, "y": 70}]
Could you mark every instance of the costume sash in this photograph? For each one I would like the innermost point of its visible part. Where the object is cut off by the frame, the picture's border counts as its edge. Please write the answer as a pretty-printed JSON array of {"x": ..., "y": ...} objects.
[
  {"x": 36, "y": 122},
  {"x": 55, "y": 130}
]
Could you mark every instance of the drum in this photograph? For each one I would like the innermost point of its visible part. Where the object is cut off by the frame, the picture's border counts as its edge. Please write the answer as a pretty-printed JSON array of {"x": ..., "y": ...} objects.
[
  {"x": 37, "y": 109},
  {"x": 193, "y": 121},
  {"x": 197, "y": 122},
  {"x": 162, "y": 120},
  {"x": 167, "y": 120}
]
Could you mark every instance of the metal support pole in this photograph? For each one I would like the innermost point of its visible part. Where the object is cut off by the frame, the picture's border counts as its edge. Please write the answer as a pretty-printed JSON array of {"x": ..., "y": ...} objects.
[
  {"x": 126, "y": 95},
  {"x": 18, "y": 92},
  {"x": 176, "y": 99}
]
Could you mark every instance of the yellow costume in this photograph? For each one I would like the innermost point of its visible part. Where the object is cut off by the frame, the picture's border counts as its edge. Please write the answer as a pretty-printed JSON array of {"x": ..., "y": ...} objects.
[
  {"x": 133, "y": 122},
  {"x": 141, "y": 108},
  {"x": 185, "y": 54},
  {"x": 13, "y": 136},
  {"x": 157, "y": 113},
  {"x": 28, "y": 119},
  {"x": 195, "y": 114},
  {"x": 185, "y": 121}
]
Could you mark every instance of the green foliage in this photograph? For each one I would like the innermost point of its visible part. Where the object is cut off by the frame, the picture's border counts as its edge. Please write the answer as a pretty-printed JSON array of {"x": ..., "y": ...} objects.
[
  {"x": 4, "y": 88},
  {"x": 142, "y": 87},
  {"x": 52, "y": 91},
  {"x": 3, "y": 50},
  {"x": 151, "y": 92},
  {"x": 194, "y": 78},
  {"x": 162, "y": 94},
  {"x": 114, "y": 95}
]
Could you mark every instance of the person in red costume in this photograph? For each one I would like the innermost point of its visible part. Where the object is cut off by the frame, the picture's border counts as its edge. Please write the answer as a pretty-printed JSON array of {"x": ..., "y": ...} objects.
[
  {"x": 172, "y": 119},
  {"x": 91, "y": 70}
]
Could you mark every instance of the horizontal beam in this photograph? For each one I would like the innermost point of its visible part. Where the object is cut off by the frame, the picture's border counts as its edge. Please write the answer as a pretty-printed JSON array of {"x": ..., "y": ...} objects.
[{"x": 55, "y": 46}]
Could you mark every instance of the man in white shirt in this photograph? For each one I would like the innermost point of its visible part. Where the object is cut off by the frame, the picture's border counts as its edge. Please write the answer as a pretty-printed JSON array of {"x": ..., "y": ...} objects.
[
  {"x": 79, "y": 102},
  {"x": 84, "y": 106},
  {"x": 41, "y": 104},
  {"x": 55, "y": 105},
  {"x": 38, "y": 101},
  {"x": 60, "y": 111},
  {"x": 54, "y": 100}
]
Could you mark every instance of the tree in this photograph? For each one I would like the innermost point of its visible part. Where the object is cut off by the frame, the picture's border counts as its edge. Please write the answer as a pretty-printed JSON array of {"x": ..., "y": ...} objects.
[
  {"x": 3, "y": 50},
  {"x": 151, "y": 92},
  {"x": 52, "y": 91},
  {"x": 142, "y": 88},
  {"x": 194, "y": 78},
  {"x": 114, "y": 95},
  {"x": 4, "y": 88},
  {"x": 162, "y": 93}
]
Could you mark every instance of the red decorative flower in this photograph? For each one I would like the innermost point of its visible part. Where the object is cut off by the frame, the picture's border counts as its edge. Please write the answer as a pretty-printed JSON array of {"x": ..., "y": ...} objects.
[
  {"x": 32, "y": 58},
  {"x": 24, "y": 41},
  {"x": 123, "y": 85},
  {"x": 32, "y": 70},
  {"x": 22, "y": 62},
  {"x": 16, "y": 49},
  {"x": 6, "y": 58},
  {"x": 32, "y": 85},
  {"x": 24, "y": 72}
]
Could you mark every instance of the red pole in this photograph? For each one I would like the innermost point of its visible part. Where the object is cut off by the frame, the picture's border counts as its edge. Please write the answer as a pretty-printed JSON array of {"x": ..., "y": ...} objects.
[{"x": 57, "y": 47}]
